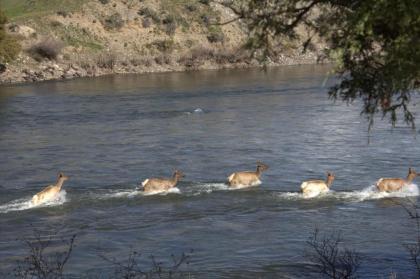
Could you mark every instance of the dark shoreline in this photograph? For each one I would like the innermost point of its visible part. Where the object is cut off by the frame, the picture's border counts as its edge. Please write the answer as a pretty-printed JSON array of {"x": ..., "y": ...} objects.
[{"x": 4, "y": 81}]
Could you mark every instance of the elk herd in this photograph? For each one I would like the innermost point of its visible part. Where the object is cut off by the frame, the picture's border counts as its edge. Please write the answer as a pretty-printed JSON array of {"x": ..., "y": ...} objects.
[{"x": 236, "y": 180}]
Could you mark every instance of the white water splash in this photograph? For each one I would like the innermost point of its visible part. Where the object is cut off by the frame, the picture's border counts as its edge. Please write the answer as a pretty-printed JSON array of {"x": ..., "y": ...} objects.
[
  {"x": 26, "y": 203},
  {"x": 174, "y": 190},
  {"x": 137, "y": 192},
  {"x": 204, "y": 188},
  {"x": 371, "y": 193},
  {"x": 194, "y": 190},
  {"x": 290, "y": 195},
  {"x": 198, "y": 110},
  {"x": 195, "y": 111},
  {"x": 368, "y": 193}
]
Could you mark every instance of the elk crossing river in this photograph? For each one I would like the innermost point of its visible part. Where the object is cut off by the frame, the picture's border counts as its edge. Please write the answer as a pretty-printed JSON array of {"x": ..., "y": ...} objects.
[{"x": 110, "y": 133}]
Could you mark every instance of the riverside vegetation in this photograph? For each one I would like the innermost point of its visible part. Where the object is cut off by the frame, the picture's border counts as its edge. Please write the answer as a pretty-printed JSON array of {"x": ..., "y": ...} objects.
[
  {"x": 374, "y": 44},
  {"x": 67, "y": 39}
]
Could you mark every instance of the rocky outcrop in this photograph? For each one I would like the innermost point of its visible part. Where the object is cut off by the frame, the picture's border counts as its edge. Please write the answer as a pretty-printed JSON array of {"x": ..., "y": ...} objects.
[{"x": 21, "y": 30}]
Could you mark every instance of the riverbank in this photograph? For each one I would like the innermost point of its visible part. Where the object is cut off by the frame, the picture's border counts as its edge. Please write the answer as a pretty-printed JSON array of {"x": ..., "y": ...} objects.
[
  {"x": 99, "y": 38},
  {"x": 53, "y": 70}
]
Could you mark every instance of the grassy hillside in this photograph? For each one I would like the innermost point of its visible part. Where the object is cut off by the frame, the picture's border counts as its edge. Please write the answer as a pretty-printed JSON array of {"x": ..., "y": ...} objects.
[
  {"x": 67, "y": 38},
  {"x": 21, "y": 9},
  {"x": 98, "y": 23}
]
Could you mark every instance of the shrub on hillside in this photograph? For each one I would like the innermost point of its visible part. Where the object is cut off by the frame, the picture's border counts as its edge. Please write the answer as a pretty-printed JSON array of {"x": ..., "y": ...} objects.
[
  {"x": 107, "y": 60},
  {"x": 104, "y": 2},
  {"x": 216, "y": 35},
  {"x": 48, "y": 48},
  {"x": 170, "y": 25},
  {"x": 114, "y": 21},
  {"x": 63, "y": 13},
  {"x": 225, "y": 57},
  {"x": 149, "y": 13},
  {"x": 191, "y": 7},
  {"x": 205, "y": 19},
  {"x": 9, "y": 46},
  {"x": 146, "y": 22},
  {"x": 142, "y": 61},
  {"x": 163, "y": 59},
  {"x": 189, "y": 43},
  {"x": 55, "y": 23},
  {"x": 164, "y": 45},
  {"x": 169, "y": 19},
  {"x": 197, "y": 57}
]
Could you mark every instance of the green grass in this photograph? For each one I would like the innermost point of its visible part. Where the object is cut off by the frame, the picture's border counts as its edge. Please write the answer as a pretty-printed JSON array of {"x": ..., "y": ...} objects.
[
  {"x": 23, "y": 9},
  {"x": 74, "y": 36},
  {"x": 183, "y": 17},
  {"x": 69, "y": 34}
]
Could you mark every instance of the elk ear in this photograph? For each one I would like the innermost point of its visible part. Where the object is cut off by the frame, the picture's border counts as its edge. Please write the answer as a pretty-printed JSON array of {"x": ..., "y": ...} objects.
[
  {"x": 60, "y": 174},
  {"x": 410, "y": 170}
]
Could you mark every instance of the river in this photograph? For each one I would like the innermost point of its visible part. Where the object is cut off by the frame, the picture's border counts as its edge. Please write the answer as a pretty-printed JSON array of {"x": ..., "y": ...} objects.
[{"x": 110, "y": 133}]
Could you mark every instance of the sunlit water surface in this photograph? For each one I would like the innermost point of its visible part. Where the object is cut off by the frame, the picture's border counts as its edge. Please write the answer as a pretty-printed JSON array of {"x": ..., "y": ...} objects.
[{"x": 109, "y": 134}]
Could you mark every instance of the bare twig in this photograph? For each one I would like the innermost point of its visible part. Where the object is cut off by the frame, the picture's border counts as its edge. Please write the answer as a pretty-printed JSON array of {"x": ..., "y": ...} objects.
[
  {"x": 330, "y": 259},
  {"x": 131, "y": 268},
  {"x": 41, "y": 262}
]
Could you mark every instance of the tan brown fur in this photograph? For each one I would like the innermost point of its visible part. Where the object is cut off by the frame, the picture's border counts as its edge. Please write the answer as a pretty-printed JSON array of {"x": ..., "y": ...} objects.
[
  {"x": 247, "y": 178},
  {"x": 161, "y": 184},
  {"x": 317, "y": 186},
  {"x": 395, "y": 184},
  {"x": 50, "y": 192}
]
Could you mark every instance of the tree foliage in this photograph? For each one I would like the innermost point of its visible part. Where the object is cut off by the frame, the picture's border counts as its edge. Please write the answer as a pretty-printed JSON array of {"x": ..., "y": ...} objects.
[
  {"x": 9, "y": 46},
  {"x": 375, "y": 45}
]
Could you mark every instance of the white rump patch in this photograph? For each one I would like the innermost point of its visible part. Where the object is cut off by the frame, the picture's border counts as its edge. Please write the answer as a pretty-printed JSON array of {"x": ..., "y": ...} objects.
[{"x": 231, "y": 177}]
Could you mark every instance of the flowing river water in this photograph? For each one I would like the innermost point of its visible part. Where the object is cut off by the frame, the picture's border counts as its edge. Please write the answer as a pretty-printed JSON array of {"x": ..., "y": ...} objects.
[{"x": 110, "y": 133}]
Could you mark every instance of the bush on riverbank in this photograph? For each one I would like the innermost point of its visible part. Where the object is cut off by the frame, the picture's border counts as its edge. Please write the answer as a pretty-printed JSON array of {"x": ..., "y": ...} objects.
[
  {"x": 48, "y": 48},
  {"x": 9, "y": 46}
]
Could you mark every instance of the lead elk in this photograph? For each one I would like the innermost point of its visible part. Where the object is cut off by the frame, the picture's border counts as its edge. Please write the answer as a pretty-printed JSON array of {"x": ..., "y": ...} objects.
[{"x": 395, "y": 184}]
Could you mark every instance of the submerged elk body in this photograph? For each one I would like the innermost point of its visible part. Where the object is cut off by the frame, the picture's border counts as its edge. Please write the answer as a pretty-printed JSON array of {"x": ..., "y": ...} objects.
[
  {"x": 161, "y": 184},
  {"x": 247, "y": 178},
  {"x": 395, "y": 184},
  {"x": 315, "y": 187},
  {"x": 50, "y": 192}
]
